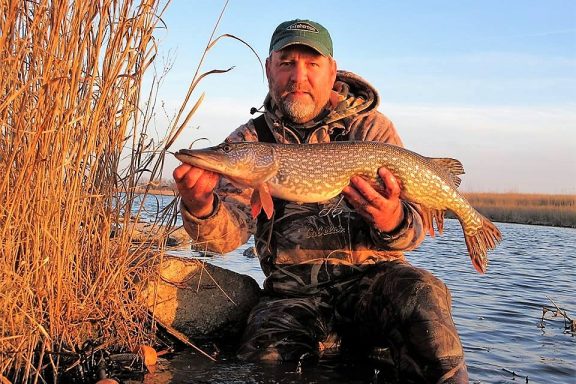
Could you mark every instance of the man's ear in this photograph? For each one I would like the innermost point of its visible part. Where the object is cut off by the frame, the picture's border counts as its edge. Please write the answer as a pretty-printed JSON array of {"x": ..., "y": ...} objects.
[
  {"x": 267, "y": 65},
  {"x": 334, "y": 70}
]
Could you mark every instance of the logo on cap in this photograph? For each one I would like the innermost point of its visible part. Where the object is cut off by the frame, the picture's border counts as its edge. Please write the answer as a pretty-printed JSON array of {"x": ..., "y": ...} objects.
[{"x": 302, "y": 27}]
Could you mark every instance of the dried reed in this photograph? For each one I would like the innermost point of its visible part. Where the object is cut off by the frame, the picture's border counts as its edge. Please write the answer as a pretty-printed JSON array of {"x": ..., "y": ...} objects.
[
  {"x": 537, "y": 209},
  {"x": 70, "y": 89},
  {"x": 70, "y": 107}
]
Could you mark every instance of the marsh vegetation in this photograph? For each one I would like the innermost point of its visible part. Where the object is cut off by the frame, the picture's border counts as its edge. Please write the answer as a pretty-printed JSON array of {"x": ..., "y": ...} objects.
[
  {"x": 522, "y": 208},
  {"x": 71, "y": 110}
]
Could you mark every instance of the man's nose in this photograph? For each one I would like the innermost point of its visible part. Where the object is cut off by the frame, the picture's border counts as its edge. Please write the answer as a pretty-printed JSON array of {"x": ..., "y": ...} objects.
[{"x": 299, "y": 73}]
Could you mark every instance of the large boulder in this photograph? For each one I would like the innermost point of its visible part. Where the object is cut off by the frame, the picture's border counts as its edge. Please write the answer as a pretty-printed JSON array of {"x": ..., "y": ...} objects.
[{"x": 201, "y": 300}]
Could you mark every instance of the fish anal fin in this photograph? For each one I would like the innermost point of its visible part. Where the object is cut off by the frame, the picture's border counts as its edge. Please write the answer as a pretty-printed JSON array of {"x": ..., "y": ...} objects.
[
  {"x": 439, "y": 219},
  {"x": 429, "y": 216},
  {"x": 453, "y": 166}
]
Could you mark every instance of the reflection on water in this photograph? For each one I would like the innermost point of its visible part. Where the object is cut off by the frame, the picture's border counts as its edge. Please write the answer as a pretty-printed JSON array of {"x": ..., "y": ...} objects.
[
  {"x": 497, "y": 314},
  {"x": 186, "y": 367}
]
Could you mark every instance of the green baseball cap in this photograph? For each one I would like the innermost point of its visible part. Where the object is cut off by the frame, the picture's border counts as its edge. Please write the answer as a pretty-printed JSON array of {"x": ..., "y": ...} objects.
[{"x": 304, "y": 32}]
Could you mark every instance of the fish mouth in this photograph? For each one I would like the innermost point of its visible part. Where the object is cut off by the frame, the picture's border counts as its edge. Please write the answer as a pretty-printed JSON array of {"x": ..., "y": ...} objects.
[
  {"x": 202, "y": 158},
  {"x": 216, "y": 162}
]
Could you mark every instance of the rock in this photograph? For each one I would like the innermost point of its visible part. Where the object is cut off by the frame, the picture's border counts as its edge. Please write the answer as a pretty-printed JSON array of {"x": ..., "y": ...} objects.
[
  {"x": 250, "y": 252},
  {"x": 201, "y": 300},
  {"x": 178, "y": 237}
]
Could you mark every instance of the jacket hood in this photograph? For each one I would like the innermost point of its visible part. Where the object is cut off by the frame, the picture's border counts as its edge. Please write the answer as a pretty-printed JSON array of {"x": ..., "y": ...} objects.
[{"x": 353, "y": 97}]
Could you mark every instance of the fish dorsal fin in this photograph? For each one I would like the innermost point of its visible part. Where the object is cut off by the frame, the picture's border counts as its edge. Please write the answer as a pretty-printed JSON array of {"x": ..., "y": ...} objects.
[{"x": 453, "y": 166}]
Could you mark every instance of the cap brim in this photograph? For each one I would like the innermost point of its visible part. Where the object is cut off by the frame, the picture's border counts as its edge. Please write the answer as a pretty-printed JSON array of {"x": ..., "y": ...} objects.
[{"x": 301, "y": 41}]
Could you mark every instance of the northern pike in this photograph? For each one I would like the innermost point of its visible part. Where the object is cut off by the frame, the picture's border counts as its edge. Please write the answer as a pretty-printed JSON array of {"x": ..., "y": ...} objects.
[{"x": 309, "y": 173}]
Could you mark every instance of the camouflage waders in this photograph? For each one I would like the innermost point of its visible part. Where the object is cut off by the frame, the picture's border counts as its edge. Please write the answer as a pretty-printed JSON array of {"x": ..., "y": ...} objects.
[{"x": 386, "y": 304}]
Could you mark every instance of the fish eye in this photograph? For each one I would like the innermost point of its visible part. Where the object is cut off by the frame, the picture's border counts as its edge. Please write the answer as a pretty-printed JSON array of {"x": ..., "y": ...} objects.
[{"x": 226, "y": 148}]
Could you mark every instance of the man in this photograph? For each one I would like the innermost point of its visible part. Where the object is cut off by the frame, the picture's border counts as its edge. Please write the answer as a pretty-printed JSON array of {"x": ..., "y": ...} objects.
[{"x": 334, "y": 269}]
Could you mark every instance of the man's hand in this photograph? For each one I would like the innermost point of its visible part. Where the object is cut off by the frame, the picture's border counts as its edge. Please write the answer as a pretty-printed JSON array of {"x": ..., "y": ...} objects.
[
  {"x": 196, "y": 187},
  {"x": 383, "y": 209}
]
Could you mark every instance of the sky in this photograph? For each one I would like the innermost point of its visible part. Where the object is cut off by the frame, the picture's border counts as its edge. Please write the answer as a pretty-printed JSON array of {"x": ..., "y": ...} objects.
[{"x": 491, "y": 82}]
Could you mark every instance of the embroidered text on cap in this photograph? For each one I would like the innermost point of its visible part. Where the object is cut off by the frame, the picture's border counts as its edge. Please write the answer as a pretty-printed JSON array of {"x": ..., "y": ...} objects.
[{"x": 303, "y": 27}]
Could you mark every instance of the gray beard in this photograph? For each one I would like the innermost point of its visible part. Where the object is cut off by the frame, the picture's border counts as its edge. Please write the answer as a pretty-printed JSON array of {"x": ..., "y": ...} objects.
[{"x": 299, "y": 112}]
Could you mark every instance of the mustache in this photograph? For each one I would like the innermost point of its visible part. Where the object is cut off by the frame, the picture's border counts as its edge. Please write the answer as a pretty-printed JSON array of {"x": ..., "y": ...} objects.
[{"x": 297, "y": 88}]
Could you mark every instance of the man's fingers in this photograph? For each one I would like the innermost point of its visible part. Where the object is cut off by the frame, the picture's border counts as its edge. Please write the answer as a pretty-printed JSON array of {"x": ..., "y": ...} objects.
[
  {"x": 196, "y": 178},
  {"x": 196, "y": 188},
  {"x": 370, "y": 195},
  {"x": 194, "y": 183},
  {"x": 391, "y": 183},
  {"x": 380, "y": 206},
  {"x": 207, "y": 181},
  {"x": 353, "y": 196},
  {"x": 180, "y": 171},
  {"x": 356, "y": 199}
]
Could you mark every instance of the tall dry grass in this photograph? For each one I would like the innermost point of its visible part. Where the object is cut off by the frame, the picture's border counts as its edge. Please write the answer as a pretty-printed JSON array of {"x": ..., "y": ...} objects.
[
  {"x": 537, "y": 209},
  {"x": 70, "y": 90}
]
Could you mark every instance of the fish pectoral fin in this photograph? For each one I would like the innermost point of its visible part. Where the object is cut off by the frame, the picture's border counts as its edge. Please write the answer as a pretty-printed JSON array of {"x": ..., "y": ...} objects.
[
  {"x": 255, "y": 203},
  {"x": 266, "y": 200},
  {"x": 261, "y": 199}
]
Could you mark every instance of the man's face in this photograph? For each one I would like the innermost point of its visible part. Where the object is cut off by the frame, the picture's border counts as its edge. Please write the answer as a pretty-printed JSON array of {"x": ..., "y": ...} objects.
[{"x": 300, "y": 81}]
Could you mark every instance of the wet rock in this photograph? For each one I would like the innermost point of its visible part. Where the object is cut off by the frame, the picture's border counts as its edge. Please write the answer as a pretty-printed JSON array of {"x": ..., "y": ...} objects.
[
  {"x": 201, "y": 300},
  {"x": 250, "y": 252}
]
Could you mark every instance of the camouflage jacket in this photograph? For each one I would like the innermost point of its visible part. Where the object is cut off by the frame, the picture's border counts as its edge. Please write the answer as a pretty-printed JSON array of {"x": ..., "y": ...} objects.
[{"x": 310, "y": 234}]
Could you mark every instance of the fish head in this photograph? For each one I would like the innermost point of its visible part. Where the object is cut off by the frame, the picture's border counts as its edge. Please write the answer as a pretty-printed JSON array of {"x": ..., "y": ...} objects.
[{"x": 245, "y": 163}]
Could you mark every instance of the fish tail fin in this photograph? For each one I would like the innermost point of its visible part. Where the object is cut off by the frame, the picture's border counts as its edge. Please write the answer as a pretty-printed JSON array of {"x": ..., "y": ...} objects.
[
  {"x": 429, "y": 216},
  {"x": 478, "y": 244}
]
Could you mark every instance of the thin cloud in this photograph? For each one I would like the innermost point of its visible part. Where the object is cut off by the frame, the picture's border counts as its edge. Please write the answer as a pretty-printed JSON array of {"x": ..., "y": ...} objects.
[{"x": 503, "y": 148}]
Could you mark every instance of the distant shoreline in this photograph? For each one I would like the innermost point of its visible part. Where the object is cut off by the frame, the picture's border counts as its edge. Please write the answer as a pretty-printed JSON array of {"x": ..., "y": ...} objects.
[
  {"x": 518, "y": 208},
  {"x": 158, "y": 191}
]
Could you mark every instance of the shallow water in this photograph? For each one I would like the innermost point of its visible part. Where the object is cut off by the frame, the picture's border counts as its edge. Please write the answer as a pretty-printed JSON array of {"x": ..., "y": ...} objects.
[{"x": 498, "y": 315}]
